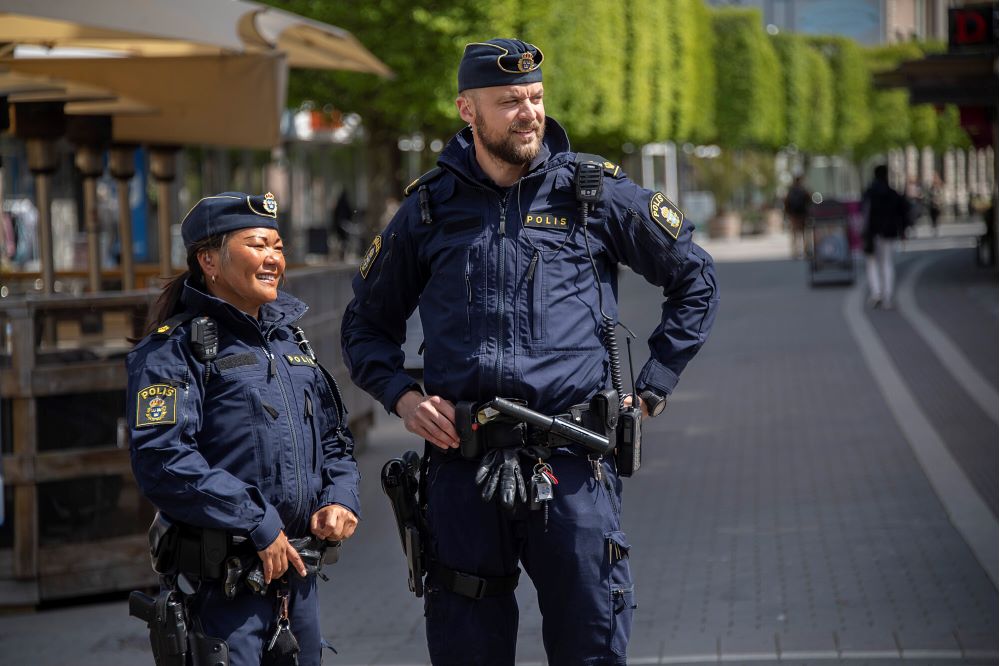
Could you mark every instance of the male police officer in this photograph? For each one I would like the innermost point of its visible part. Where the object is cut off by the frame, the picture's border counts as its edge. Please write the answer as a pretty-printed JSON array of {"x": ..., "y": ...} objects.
[{"x": 512, "y": 281}]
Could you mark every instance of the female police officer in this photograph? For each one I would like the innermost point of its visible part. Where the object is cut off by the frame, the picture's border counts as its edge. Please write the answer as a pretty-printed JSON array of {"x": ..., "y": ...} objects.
[{"x": 246, "y": 435}]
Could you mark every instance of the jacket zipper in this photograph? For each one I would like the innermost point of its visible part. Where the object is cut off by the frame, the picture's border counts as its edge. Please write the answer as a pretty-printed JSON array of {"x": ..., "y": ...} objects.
[
  {"x": 500, "y": 290},
  {"x": 468, "y": 289},
  {"x": 273, "y": 371}
]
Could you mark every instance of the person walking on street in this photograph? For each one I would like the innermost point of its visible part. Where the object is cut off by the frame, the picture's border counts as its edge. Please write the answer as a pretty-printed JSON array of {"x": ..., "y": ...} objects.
[
  {"x": 933, "y": 197},
  {"x": 511, "y": 250},
  {"x": 239, "y": 439},
  {"x": 797, "y": 202},
  {"x": 886, "y": 217}
]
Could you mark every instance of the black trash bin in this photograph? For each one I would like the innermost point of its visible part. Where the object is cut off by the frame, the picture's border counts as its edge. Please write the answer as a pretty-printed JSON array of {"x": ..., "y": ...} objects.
[{"x": 831, "y": 260}]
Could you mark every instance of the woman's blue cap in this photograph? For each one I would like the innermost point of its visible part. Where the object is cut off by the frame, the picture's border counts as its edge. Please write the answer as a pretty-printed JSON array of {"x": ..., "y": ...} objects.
[
  {"x": 227, "y": 212},
  {"x": 499, "y": 62}
]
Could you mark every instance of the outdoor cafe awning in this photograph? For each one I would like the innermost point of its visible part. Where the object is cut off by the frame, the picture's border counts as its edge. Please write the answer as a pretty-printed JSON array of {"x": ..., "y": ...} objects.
[
  {"x": 202, "y": 72},
  {"x": 184, "y": 27},
  {"x": 231, "y": 100}
]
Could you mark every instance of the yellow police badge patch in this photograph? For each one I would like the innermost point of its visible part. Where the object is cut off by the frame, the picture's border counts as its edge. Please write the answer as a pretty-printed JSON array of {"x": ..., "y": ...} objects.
[
  {"x": 156, "y": 405},
  {"x": 370, "y": 255},
  {"x": 666, "y": 214}
]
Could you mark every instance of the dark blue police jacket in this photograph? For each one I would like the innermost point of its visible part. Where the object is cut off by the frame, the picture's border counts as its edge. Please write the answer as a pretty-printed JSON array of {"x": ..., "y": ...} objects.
[
  {"x": 507, "y": 296},
  {"x": 259, "y": 447}
]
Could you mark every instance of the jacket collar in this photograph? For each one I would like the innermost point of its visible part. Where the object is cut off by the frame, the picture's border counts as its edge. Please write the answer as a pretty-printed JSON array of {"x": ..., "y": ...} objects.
[
  {"x": 459, "y": 156},
  {"x": 284, "y": 310}
]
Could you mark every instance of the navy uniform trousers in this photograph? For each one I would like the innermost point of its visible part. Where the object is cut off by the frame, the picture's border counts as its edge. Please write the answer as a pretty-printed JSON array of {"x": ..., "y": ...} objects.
[
  {"x": 249, "y": 620},
  {"x": 578, "y": 563}
]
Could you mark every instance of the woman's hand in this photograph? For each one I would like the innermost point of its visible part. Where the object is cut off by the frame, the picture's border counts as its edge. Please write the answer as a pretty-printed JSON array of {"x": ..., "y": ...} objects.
[
  {"x": 277, "y": 556},
  {"x": 333, "y": 522}
]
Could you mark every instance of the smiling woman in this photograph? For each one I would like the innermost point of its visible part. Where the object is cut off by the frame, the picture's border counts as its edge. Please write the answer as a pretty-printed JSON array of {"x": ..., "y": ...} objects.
[
  {"x": 246, "y": 269},
  {"x": 239, "y": 438}
]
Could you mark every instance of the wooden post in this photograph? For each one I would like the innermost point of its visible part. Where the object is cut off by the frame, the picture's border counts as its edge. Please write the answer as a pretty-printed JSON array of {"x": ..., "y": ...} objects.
[
  {"x": 24, "y": 422},
  {"x": 91, "y": 136},
  {"x": 121, "y": 161},
  {"x": 40, "y": 124},
  {"x": 42, "y": 162},
  {"x": 162, "y": 166}
]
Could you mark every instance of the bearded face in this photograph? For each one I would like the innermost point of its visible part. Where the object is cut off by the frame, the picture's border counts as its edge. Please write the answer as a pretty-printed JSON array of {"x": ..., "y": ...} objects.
[
  {"x": 516, "y": 144},
  {"x": 509, "y": 122}
]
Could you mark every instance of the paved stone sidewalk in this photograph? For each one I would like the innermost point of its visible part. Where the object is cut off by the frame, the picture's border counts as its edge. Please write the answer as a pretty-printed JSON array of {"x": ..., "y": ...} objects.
[{"x": 780, "y": 515}]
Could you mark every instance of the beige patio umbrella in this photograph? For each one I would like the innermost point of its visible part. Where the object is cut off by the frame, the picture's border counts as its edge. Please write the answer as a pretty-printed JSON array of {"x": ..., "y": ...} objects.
[
  {"x": 182, "y": 28},
  {"x": 231, "y": 100},
  {"x": 194, "y": 71}
]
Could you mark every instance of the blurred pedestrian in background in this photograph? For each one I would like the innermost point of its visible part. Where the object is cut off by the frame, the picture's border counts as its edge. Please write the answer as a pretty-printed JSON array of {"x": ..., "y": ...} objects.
[
  {"x": 796, "y": 210},
  {"x": 886, "y": 217},
  {"x": 932, "y": 201},
  {"x": 914, "y": 194},
  {"x": 342, "y": 221}
]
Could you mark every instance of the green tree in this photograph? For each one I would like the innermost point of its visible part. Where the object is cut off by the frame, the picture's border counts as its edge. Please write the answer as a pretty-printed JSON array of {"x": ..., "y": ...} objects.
[
  {"x": 852, "y": 85},
  {"x": 695, "y": 70},
  {"x": 820, "y": 111},
  {"x": 923, "y": 125},
  {"x": 422, "y": 45},
  {"x": 950, "y": 133},
  {"x": 791, "y": 51},
  {"x": 650, "y": 89},
  {"x": 749, "y": 106},
  {"x": 897, "y": 123}
]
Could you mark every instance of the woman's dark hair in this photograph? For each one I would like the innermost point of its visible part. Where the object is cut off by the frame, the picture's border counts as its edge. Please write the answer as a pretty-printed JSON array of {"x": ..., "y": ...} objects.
[{"x": 168, "y": 303}]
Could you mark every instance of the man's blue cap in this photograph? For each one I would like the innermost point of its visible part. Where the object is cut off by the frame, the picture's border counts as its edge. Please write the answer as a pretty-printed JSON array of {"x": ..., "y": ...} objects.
[
  {"x": 499, "y": 62},
  {"x": 227, "y": 212}
]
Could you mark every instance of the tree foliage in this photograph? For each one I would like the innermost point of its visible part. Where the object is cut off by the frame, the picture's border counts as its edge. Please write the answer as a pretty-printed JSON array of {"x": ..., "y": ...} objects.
[
  {"x": 820, "y": 112},
  {"x": 852, "y": 84},
  {"x": 650, "y": 89},
  {"x": 634, "y": 71},
  {"x": 749, "y": 106},
  {"x": 895, "y": 122},
  {"x": 422, "y": 44},
  {"x": 791, "y": 50},
  {"x": 695, "y": 69}
]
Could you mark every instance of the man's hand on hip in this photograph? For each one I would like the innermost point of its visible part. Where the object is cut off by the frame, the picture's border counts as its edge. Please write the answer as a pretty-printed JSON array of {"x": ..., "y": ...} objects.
[{"x": 431, "y": 417}]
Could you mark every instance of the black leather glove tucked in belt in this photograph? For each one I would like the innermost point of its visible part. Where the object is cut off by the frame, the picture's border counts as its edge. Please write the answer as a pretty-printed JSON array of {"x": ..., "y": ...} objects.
[{"x": 500, "y": 467}]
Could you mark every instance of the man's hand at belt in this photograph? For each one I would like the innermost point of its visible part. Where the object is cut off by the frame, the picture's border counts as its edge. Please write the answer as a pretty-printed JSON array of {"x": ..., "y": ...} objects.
[
  {"x": 333, "y": 522},
  {"x": 431, "y": 417},
  {"x": 277, "y": 557}
]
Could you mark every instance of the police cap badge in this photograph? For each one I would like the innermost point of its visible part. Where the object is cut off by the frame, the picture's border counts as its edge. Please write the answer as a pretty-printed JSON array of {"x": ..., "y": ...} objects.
[
  {"x": 499, "y": 62},
  {"x": 227, "y": 212}
]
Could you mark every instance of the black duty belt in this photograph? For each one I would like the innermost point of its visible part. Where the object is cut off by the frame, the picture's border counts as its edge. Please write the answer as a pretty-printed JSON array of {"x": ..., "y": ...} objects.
[
  {"x": 505, "y": 432},
  {"x": 471, "y": 585}
]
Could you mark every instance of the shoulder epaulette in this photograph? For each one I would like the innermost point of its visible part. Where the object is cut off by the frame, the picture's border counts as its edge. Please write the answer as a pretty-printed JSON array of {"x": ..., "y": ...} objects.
[
  {"x": 610, "y": 168},
  {"x": 167, "y": 328},
  {"x": 422, "y": 180}
]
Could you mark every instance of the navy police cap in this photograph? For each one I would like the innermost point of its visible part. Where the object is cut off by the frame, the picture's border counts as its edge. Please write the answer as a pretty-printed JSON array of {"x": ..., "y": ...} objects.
[
  {"x": 499, "y": 62},
  {"x": 227, "y": 212}
]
